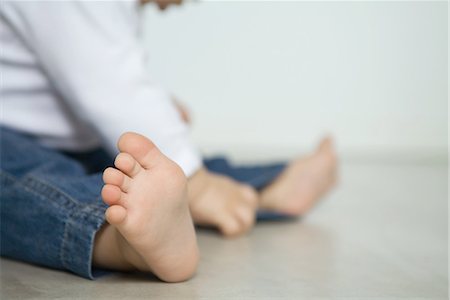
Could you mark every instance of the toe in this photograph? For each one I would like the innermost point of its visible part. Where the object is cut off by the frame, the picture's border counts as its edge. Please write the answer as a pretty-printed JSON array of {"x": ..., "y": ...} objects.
[
  {"x": 141, "y": 148},
  {"x": 112, "y": 195},
  {"x": 127, "y": 164},
  {"x": 115, "y": 214},
  {"x": 246, "y": 217},
  {"x": 230, "y": 226},
  {"x": 250, "y": 196},
  {"x": 116, "y": 177},
  {"x": 326, "y": 144}
]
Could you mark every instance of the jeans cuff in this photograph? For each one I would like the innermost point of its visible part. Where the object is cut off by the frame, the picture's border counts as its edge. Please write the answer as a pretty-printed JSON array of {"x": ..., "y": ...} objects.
[{"x": 79, "y": 234}]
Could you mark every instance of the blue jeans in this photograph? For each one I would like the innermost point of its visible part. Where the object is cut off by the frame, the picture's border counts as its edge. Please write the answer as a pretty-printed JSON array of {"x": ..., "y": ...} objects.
[{"x": 50, "y": 201}]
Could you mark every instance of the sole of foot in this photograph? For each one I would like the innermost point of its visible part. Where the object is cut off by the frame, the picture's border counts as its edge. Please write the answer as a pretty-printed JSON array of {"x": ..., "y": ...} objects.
[{"x": 148, "y": 210}]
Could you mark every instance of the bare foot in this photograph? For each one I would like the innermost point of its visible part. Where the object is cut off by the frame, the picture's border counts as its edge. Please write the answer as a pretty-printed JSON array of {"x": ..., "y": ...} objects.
[
  {"x": 150, "y": 225},
  {"x": 218, "y": 201},
  {"x": 303, "y": 182}
]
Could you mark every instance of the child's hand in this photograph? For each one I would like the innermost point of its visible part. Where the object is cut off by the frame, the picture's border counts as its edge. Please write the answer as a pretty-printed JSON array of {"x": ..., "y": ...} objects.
[
  {"x": 182, "y": 110},
  {"x": 218, "y": 201}
]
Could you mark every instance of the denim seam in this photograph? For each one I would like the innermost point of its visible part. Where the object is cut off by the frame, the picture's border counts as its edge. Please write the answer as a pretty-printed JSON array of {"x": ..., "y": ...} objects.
[
  {"x": 49, "y": 191},
  {"x": 8, "y": 175},
  {"x": 27, "y": 187}
]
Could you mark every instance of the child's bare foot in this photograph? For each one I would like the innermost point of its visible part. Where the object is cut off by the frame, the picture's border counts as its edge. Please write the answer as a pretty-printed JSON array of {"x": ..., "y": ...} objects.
[
  {"x": 150, "y": 225},
  {"x": 218, "y": 201},
  {"x": 303, "y": 182}
]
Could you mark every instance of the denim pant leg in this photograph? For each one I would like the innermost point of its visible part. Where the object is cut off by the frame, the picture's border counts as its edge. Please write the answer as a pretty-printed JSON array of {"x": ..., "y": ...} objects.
[
  {"x": 50, "y": 206},
  {"x": 257, "y": 176}
]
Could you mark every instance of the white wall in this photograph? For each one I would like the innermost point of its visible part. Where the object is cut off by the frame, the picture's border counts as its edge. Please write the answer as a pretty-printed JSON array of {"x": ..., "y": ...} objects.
[{"x": 276, "y": 76}]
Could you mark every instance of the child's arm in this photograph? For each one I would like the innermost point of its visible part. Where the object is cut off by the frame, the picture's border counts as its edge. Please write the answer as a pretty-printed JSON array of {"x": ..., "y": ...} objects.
[{"x": 92, "y": 56}]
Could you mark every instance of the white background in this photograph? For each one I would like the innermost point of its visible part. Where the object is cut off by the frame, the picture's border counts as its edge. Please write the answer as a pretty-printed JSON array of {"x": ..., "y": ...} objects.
[{"x": 268, "y": 79}]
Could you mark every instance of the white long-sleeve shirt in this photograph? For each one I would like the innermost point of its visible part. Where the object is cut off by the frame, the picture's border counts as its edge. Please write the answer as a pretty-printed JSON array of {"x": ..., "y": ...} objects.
[{"x": 73, "y": 73}]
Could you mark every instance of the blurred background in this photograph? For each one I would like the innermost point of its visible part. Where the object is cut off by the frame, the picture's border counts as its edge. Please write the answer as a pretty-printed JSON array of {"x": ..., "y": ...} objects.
[{"x": 276, "y": 76}]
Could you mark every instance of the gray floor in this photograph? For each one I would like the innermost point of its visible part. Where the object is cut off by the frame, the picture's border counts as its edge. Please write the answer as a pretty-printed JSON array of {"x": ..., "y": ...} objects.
[{"x": 381, "y": 235}]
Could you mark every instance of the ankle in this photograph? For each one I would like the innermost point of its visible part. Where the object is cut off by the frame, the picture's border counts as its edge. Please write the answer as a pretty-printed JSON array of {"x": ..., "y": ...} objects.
[
  {"x": 198, "y": 183},
  {"x": 107, "y": 251}
]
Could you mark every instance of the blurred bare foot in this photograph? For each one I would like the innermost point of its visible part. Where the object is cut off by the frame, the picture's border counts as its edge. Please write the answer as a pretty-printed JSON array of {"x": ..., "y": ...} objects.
[{"x": 303, "y": 182}]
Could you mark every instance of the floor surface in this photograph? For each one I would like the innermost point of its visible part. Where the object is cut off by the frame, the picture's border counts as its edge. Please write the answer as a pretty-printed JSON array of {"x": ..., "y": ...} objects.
[{"x": 381, "y": 235}]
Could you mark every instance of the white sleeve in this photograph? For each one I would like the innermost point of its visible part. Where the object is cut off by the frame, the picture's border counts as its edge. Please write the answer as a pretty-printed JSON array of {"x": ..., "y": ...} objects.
[{"x": 92, "y": 55}]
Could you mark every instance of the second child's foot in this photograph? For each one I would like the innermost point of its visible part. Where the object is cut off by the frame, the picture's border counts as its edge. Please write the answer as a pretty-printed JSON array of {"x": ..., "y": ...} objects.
[
  {"x": 220, "y": 202},
  {"x": 303, "y": 182},
  {"x": 148, "y": 212}
]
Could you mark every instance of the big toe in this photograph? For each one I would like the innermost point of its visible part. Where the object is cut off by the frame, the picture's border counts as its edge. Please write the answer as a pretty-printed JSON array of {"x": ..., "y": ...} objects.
[
  {"x": 325, "y": 156},
  {"x": 326, "y": 144},
  {"x": 140, "y": 147}
]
